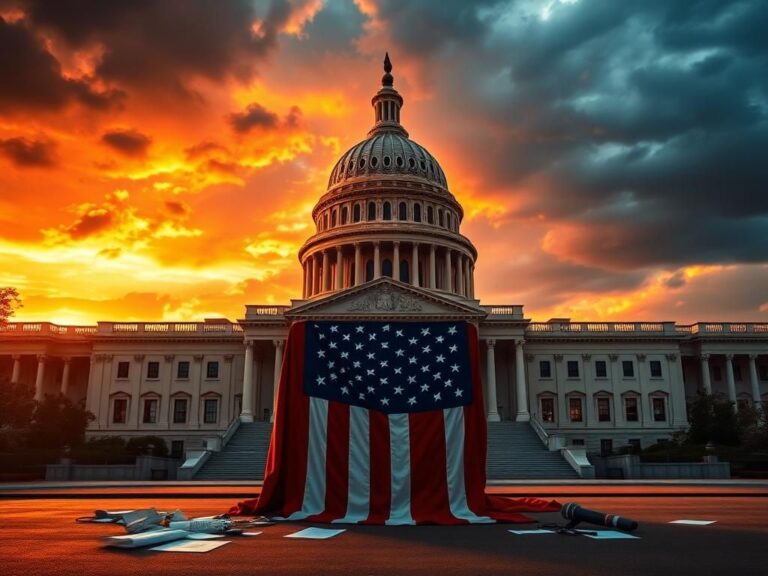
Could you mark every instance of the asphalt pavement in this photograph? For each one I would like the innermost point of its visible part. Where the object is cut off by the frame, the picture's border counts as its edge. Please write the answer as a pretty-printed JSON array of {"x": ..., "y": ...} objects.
[{"x": 39, "y": 536}]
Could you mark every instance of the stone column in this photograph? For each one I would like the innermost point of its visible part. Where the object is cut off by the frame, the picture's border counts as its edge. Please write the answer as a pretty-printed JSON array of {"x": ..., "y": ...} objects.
[
  {"x": 276, "y": 383},
  {"x": 326, "y": 272},
  {"x": 730, "y": 381},
  {"x": 520, "y": 384},
  {"x": 396, "y": 260},
  {"x": 448, "y": 279},
  {"x": 472, "y": 280},
  {"x": 706, "y": 381},
  {"x": 415, "y": 264},
  {"x": 65, "y": 376},
  {"x": 339, "y": 269},
  {"x": 754, "y": 382},
  {"x": 358, "y": 265},
  {"x": 308, "y": 277},
  {"x": 246, "y": 414},
  {"x": 467, "y": 287},
  {"x": 493, "y": 414},
  {"x": 39, "y": 377},
  {"x": 16, "y": 369},
  {"x": 376, "y": 260},
  {"x": 432, "y": 267},
  {"x": 460, "y": 275}
]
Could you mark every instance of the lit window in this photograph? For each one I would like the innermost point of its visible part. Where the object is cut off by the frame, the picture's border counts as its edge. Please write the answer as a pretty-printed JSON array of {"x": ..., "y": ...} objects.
[
  {"x": 575, "y": 410},
  {"x": 120, "y": 410},
  {"x": 548, "y": 409}
]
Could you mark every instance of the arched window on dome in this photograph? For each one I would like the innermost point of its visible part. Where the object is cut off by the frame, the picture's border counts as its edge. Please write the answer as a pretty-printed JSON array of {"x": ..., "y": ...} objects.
[
  {"x": 402, "y": 211},
  {"x": 386, "y": 267},
  {"x": 417, "y": 212},
  {"x": 387, "y": 211},
  {"x": 369, "y": 270},
  {"x": 333, "y": 218},
  {"x": 344, "y": 214},
  {"x": 404, "y": 271},
  {"x": 439, "y": 217},
  {"x": 356, "y": 213},
  {"x": 371, "y": 211},
  {"x": 430, "y": 215},
  {"x": 325, "y": 221},
  {"x": 448, "y": 221}
]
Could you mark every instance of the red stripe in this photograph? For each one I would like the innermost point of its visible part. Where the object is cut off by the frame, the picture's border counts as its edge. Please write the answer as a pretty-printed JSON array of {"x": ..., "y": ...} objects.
[
  {"x": 380, "y": 465},
  {"x": 475, "y": 431},
  {"x": 336, "y": 464},
  {"x": 429, "y": 484}
]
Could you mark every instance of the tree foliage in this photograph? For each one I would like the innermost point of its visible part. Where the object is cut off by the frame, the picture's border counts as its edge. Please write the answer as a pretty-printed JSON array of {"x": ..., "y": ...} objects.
[
  {"x": 17, "y": 404},
  {"x": 57, "y": 422},
  {"x": 9, "y": 303},
  {"x": 712, "y": 419}
]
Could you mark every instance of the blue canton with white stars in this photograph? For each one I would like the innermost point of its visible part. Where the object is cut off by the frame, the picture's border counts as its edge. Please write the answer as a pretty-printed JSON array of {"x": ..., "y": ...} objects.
[{"x": 394, "y": 367}]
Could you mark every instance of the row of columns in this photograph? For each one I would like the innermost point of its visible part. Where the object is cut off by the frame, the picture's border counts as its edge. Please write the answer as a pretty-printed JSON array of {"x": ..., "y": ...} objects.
[
  {"x": 730, "y": 380},
  {"x": 40, "y": 374},
  {"x": 521, "y": 390},
  {"x": 317, "y": 269},
  {"x": 246, "y": 413}
]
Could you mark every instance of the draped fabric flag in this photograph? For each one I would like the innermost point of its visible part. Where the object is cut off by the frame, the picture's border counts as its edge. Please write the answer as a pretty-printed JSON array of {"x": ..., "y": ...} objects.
[{"x": 382, "y": 423}]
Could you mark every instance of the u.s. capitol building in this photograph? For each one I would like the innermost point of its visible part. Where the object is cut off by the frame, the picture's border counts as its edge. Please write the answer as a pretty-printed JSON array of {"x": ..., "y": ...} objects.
[{"x": 388, "y": 245}]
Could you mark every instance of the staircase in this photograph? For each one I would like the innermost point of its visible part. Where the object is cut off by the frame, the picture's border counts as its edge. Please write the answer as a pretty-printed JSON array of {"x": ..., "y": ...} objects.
[
  {"x": 244, "y": 456},
  {"x": 516, "y": 452}
]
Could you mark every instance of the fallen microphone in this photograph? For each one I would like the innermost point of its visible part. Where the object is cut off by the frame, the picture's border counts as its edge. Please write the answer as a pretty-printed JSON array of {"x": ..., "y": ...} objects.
[{"x": 575, "y": 513}]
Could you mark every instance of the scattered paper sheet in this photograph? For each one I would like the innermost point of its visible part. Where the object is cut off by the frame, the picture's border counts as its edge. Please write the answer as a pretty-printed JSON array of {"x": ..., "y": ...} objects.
[
  {"x": 145, "y": 538},
  {"x": 315, "y": 533},
  {"x": 202, "y": 536},
  {"x": 190, "y": 546},
  {"x": 250, "y": 533},
  {"x": 539, "y": 531},
  {"x": 607, "y": 535},
  {"x": 694, "y": 522}
]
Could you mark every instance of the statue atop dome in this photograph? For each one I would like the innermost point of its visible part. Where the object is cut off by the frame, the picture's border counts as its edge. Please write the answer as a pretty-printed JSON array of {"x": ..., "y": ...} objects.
[{"x": 387, "y": 80}]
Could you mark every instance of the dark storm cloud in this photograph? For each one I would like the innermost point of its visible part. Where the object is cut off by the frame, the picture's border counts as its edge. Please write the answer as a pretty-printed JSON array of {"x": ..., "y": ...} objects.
[
  {"x": 642, "y": 126},
  {"x": 128, "y": 142},
  {"x": 158, "y": 44},
  {"x": 32, "y": 77},
  {"x": 256, "y": 116},
  {"x": 25, "y": 153}
]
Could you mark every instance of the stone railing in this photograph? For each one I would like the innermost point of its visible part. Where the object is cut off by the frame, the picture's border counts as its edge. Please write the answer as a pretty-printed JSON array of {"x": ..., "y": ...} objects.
[
  {"x": 169, "y": 328},
  {"x": 736, "y": 328},
  {"x": 265, "y": 312},
  {"x": 27, "y": 329},
  {"x": 596, "y": 328},
  {"x": 500, "y": 312}
]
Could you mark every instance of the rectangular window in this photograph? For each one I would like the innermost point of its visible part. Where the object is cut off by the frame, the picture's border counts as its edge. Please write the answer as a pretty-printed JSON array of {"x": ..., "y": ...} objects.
[
  {"x": 180, "y": 411},
  {"x": 717, "y": 374},
  {"x": 548, "y": 409},
  {"x": 659, "y": 410},
  {"x": 575, "y": 409},
  {"x": 122, "y": 369},
  {"x": 182, "y": 370},
  {"x": 628, "y": 368},
  {"x": 211, "y": 411},
  {"x": 573, "y": 369},
  {"x": 606, "y": 446},
  {"x": 153, "y": 369},
  {"x": 737, "y": 372},
  {"x": 604, "y": 409},
  {"x": 212, "y": 370},
  {"x": 120, "y": 410},
  {"x": 545, "y": 369},
  {"x": 630, "y": 409},
  {"x": 601, "y": 369},
  {"x": 150, "y": 411},
  {"x": 655, "y": 368},
  {"x": 177, "y": 448}
]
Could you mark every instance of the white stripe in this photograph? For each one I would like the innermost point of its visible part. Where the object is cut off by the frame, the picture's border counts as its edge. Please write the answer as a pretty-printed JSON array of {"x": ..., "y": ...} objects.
[
  {"x": 400, "y": 462},
  {"x": 314, "y": 486},
  {"x": 359, "y": 478},
  {"x": 453, "y": 419}
]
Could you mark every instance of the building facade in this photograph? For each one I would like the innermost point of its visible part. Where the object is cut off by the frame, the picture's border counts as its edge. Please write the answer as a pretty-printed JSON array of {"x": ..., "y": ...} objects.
[{"x": 388, "y": 245}]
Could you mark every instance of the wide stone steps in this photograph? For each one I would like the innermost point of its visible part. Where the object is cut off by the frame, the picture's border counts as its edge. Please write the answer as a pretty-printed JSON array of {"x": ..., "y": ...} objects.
[
  {"x": 243, "y": 458},
  {"x": 516, "y": 452}
]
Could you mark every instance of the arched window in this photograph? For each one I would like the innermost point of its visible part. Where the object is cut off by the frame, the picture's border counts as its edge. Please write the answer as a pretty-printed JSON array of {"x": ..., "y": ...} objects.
[
  {"x": 448, "y": 220},
  {"x": 344, "y": 214},
  {"x": 369, "y": 270},
  {"x": 333, "y": 218},
  {"x": 430, "y": 215},
  {"x": 371, "y": 211},
  {"x": 417, "y": 212},
  {"x": 402, "y": 211},
  {"x": 440, "y": 217},
  {"x": 386, "y": 267},
  {"x": 325, "y": 221},
  {"x": 356, "y": 213},
  {"x": 387, "y": 211},
  {"x": 404, "y": 271}
]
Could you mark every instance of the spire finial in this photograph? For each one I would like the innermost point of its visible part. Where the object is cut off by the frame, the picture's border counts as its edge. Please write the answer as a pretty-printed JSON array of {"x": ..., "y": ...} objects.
[{"x": 387, "y": 79}]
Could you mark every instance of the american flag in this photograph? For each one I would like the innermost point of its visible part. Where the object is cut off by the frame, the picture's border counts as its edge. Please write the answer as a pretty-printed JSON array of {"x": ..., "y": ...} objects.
[{"x": 381, "y": 423}]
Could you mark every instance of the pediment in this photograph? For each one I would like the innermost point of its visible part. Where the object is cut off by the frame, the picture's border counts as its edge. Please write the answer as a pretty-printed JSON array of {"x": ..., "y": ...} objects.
[{"x": 385, "y": 298}]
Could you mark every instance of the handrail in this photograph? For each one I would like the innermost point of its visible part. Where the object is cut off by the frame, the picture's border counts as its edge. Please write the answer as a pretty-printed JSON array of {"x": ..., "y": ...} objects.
[
  {"x": 538, "y": 427},
  {"x": 231, "y": 429}
]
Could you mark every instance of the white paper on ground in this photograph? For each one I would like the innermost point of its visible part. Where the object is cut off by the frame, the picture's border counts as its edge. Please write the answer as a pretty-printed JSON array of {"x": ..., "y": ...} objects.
[
  {"x": 694, "y": 522},
  {"x": 250, "y": 533},
  {"x": 190, "y": 546},
  {"x": 608, "y": 535},
  {"x": 202, "y": 536},
  {"x": 145, "y": 538},
  {"x": 539, "y": 531},
  {"x": 315, "y": 533}
]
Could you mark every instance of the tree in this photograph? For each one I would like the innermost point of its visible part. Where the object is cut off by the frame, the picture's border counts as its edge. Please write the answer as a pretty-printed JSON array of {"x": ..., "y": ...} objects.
[
  {"x": 16, "y": 404},
  {"x": 9, "y": 302},
  {"x": 57, "y": 421},
  {"x": 712, "y": 419}
]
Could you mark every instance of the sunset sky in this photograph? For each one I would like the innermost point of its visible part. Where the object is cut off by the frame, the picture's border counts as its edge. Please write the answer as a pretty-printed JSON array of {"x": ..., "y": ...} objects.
[{"x": 159, "y": 159}]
